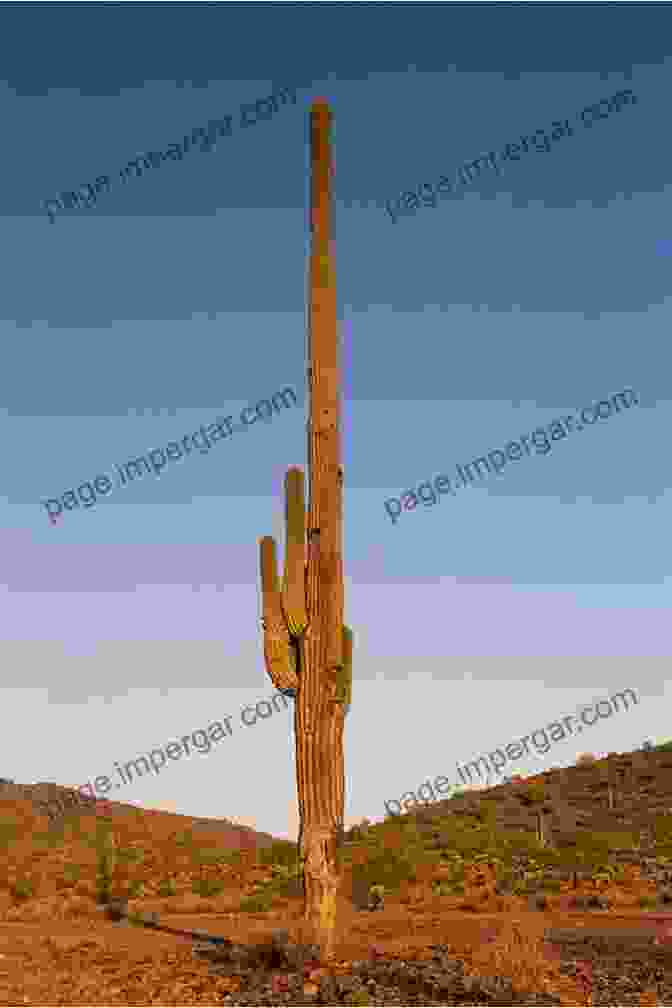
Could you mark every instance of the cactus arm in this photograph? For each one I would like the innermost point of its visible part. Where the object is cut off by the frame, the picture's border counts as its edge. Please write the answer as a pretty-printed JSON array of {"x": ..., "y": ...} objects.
[
  {"x": 294, "y": 581},
  {"x": 344, "y": 673},
  {"x": 279, "y": 656}
]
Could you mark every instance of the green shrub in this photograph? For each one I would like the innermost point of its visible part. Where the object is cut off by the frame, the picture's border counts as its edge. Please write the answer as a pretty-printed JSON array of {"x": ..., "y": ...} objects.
[
  {"x": 287, "y": 888},
  {"x": 442, "y": 888},
  {"x": 233, "y": 858},
  {"x": 72, "y": 874},
  {"x": 212, "y": 856},
  {"x": 286, "y": 882},
  {"x": 167, "y": 887},
  {"x": 103, "y": 890},
  {"x": 207, "y": 887},
  {"x": 610, "y": 840},
  {"x": 285, "y": 871},
  {"x": 388, "y": 868},
  {"x": 42, "y": 841},
  {"x": 358, "y": 998},
  {"x": 131, "y": 855},
  {"x": 7, "y": 833},
  {"x": 56, "y": 834},
  {"x": 257, "y": 903},
  {"x": 184, "y": 839},
  {"x": 551, "y": 885},
  {"x": 23, "y": 889},
  {"x": 662, "y": 828},
  {"x": 533, "y": 794},
  {"x": 107, "y": 862},
  {"x": 280, "y": 852}
]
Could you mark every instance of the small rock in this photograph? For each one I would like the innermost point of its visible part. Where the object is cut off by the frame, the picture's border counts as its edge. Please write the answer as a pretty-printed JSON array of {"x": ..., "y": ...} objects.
[{"x": 117, "y": 910}]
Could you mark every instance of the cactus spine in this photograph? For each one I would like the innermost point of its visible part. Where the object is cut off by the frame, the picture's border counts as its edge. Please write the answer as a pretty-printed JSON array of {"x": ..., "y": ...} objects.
[{"x": 307, "y": 648}]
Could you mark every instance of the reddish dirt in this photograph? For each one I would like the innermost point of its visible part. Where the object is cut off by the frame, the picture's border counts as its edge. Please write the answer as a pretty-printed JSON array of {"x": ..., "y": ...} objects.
[
  {"x": 57, "y": 948},
  {"x": 99, "y": 962}
]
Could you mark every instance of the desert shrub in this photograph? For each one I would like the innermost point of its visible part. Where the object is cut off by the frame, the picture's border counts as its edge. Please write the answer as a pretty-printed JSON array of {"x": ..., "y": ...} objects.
[
  {"x": 456, "y": 871},
  {"x": 286, "y": 882},
  {"x": 56, "y": 834},
  {"x": 548, "y": 857},
  {"x": 521, "y": 842},
  {"x": 8, "y": 831},
  {"x": 443, "y": 888},
  {"x": 71, "y": 874},
  {"x": 551, "y": 885},
  {"x": 533, "y": 876},
  {"x": 185, "y": 838},
  {"x": 282, "y": 872},
  {"x": 103, "y": 889},
  {"x": 42, "y": 841},
  {"x": 131, "y": 855},
  {"x": 233, "y": 858},
  {"x": 505, "y": 877},
  {"x": 532, "y": 794},
  {"x": 662, "y": 828},
  {"x": 135, "y": 888},
  {"x": 616, "y": 840},
  {"x": 469, "y": 842},
  {"x": 280, "y": 852},
  {"x": 388, "y": 868},
  {"x": 287, "y": 888},
  {"x": 647, "y": 902},
  {"x": 22, "y": 889},
  {"x": 360, "y": 997},
  {"x": 167, "y": 887},
  {"x": 211, "y": 856},
  {"x": 256, "y": 903},
  {"x": 207, "y": 887}
]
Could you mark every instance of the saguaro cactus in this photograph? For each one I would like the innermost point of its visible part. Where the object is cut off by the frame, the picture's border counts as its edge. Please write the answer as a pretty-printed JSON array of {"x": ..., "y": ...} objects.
[{"x": 307, "y": 648}]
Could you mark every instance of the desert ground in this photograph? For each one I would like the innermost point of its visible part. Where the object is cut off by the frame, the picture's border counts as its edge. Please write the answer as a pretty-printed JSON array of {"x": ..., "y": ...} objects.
[{"x": 552, "y": 890}]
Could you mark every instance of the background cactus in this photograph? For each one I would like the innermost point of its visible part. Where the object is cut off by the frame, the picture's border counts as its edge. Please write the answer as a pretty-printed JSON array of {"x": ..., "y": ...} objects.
[
  {"x": 107, "y": 863},
  {"x": 307, "y": 648}
]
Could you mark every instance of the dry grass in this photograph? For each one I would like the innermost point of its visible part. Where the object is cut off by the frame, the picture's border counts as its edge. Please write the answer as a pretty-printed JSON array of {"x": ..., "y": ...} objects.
[{"x": 519, "y": 954}]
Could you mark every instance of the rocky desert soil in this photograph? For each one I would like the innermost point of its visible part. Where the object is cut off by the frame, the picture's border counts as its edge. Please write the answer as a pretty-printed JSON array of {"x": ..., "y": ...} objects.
[{"x": 555, "y": 890}]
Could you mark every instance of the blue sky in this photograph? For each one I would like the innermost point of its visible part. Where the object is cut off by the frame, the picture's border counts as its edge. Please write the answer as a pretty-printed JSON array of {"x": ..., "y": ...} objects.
[{"x": 181, "y": 297}]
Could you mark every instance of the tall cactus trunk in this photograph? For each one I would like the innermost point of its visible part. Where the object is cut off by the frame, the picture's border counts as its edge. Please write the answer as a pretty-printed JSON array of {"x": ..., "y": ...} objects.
[
  {"x": 319, "y": 716},
  {"x": 306, "y": 646}
]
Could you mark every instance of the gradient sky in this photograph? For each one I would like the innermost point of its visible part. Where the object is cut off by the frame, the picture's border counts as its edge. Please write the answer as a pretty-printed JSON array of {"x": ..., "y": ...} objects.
[{"x": 181, "y": 297}]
